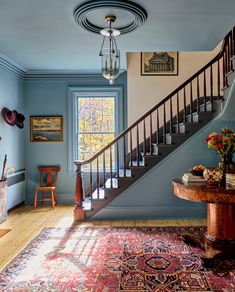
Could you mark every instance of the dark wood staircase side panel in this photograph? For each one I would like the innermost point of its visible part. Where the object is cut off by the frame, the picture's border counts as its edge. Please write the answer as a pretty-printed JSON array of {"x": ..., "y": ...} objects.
[
  {"x": 150, "y": 161},
  {"x": 98, "y": 204}
]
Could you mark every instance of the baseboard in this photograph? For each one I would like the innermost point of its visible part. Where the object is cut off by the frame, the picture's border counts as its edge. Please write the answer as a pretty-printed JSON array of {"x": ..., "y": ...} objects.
[
  {"x": 148, "y": 213},
  {"x": 65, "y": 199},
  {"x": 16, "y": 206}
]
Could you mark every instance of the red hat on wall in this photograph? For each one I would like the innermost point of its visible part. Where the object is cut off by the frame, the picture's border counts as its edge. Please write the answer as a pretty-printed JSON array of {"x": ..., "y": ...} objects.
[
  {"x": 20, "y": 120},
  {"x": 10, "y": 117}
]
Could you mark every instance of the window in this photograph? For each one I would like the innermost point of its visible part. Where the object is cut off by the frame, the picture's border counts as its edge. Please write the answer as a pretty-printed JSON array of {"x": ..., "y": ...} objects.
[
  {"x": 95, "y": 118},
  {"x": 96, "y": 124}
]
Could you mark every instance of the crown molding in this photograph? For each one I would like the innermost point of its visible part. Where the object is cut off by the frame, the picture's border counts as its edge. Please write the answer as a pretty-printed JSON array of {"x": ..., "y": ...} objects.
[
  {"x": 12, "y": 66},
  {"x": 60, "y": 75}
]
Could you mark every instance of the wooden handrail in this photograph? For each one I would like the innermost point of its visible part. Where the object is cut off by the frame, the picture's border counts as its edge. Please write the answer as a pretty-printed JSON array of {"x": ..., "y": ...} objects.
[
  {"x": 174, "y": 92},
  {"x": 222, "y": 64}
]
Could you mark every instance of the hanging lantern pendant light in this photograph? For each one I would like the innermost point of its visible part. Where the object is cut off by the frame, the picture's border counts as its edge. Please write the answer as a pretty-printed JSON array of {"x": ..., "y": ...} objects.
[{"x": 110, "y": 55}]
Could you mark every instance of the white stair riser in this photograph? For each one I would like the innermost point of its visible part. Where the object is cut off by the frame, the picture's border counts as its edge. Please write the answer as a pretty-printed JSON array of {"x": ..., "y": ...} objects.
[{"x": 230, "y": 77}]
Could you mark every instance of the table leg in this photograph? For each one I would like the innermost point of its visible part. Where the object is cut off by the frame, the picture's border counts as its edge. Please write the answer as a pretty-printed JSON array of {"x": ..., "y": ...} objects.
[
  {"x": 220, "y": 237},
  {"x": 220, "y": 222}
]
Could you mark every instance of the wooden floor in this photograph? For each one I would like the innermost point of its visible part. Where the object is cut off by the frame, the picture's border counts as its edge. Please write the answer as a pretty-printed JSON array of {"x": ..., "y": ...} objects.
[{"x": 26, "y": 222}]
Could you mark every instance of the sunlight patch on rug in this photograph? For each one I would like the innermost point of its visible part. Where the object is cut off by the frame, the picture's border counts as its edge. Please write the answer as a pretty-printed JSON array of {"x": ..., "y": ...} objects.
[{"x": 114, "y": 259}]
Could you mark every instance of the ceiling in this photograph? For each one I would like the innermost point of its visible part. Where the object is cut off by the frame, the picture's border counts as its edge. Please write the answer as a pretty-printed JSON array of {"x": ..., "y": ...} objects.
[{"x": 43, "y": 35}]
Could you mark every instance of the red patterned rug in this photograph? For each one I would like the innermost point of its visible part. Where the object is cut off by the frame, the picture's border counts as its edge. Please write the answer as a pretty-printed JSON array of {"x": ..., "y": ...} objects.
[{"x": 114, "y": 259}]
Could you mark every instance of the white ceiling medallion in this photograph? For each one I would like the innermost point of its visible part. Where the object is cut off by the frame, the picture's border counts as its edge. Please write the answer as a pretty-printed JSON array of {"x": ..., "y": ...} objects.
[{"x": 89, "y": 15}]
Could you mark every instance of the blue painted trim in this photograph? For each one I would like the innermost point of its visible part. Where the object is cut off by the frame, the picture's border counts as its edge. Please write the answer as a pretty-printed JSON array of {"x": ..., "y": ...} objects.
[
  {"x": 63, "y": 199},
  {"x": 147, "y": 212},
  {"x": 63, "y": 75},
  {"x": 66, "y": 199},
  {"x": 12, "y": 66}
]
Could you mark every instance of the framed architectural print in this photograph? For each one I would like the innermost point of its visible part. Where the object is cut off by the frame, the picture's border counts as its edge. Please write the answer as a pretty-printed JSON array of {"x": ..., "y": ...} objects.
[
  {"x": 46, "y": 128},
  {"x": 159, "y": 63}
]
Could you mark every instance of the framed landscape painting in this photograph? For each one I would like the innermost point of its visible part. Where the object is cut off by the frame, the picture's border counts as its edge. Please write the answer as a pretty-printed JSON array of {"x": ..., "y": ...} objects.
[
  {"x": 46, "y": 128},
  {"x": 159, "y": 63}
]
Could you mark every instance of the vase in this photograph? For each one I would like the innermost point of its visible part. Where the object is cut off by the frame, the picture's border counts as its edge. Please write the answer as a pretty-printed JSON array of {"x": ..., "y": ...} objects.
[
  {"x": 212, "y": 175},
  {"x": 226, "y": 165}
]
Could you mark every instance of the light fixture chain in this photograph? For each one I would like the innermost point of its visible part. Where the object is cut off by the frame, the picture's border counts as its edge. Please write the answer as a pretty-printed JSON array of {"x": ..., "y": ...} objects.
[
  {"x": 102, "y": 46},
  {"x": 116, "y": 49},
  {"x": 110, "y": 53}
]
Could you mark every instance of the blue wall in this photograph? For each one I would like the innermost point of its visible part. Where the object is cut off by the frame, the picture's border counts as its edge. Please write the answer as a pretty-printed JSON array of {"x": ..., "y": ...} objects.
[
  {"x": 150, "y": 197},
  {"x": 49, "y": 96},
  {"x": 12, "y": 144}
]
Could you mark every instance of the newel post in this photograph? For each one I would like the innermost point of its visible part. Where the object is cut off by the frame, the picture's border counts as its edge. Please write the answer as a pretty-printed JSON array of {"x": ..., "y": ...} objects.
[{"x": 78, "y": 196}]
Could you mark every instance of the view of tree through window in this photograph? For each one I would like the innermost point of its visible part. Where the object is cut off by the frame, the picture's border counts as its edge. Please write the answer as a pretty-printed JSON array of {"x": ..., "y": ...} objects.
[{"x": 96, "y": 124}]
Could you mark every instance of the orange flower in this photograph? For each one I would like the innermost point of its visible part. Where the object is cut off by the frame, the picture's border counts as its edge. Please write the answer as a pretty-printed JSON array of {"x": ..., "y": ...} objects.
[
  {"x": 213, "y": 134},
  {"x": 223, "y": 144}
]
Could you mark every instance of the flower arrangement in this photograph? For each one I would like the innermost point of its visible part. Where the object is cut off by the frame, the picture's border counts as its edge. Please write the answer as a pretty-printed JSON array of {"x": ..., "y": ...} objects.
[{"x": 223, "y": 144}]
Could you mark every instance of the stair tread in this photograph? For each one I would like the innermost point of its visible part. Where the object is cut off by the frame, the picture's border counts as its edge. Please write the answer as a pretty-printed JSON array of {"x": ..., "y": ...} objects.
[
  {"x": 162, "y": 145},
  {"x": 135, "y": 164},
  {"x": 188, "y": 124},
  {"x": 128, "y": 173},
  {"x": 207, "y": 112},
  {"x": 185, "y": 127},
  {"x": 176, "y": 134},
  {"x": 114, "y": 183},
  {"x": 149, "y": 154},
  {"x": 86, "y": 204},
  {"x": 98, "y": 195}
]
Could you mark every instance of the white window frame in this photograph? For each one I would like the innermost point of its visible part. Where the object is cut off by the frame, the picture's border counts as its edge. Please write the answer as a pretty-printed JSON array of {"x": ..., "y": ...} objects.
[{"x": 73, "y": 94}]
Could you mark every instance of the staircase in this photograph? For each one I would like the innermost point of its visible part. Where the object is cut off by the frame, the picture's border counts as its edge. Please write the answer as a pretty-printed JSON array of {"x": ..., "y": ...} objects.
[{"x": 156, "y": 134}]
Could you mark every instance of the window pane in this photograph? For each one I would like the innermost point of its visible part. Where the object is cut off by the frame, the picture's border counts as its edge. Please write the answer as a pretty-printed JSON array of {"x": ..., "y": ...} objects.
[
  {"x": 84, "y": 113},
  {"x": 84, "y": 150},
  {"x": 90, "y": 144},
  {"x": 96, "y": 115},
  {"x": 96, "y": 106},
  {"x": 108, "y": 106},
  {"x": 107, "y": 138},
  {"x": 108, "y": 124},
  {"x": 96, "y": 123},
  {"x": 84, "y": 104},
  {"x": 85, "y": 124},
  {"x": 96, "y": 142}
]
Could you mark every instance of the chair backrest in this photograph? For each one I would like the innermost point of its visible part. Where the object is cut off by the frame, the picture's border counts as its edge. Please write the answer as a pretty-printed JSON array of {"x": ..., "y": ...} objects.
[{"x": 48, "y": 175}]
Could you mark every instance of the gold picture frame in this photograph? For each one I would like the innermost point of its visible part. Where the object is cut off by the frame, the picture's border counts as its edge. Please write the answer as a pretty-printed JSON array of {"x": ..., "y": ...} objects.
[
  {"x": 159, "y": 63},
  {"x": 46, "y": 128}
]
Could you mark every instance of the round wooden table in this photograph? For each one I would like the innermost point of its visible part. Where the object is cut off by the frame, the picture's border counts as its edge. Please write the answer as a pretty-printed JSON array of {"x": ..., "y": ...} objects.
[{"x": 220, "y": 235}]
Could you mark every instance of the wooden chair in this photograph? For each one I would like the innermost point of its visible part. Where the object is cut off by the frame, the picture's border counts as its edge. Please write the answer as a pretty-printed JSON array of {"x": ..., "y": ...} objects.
[{"x": 48, "y": 179}]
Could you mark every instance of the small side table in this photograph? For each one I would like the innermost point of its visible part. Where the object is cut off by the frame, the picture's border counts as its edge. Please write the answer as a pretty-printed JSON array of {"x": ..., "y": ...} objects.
[{"x": 220, "y": 235}]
